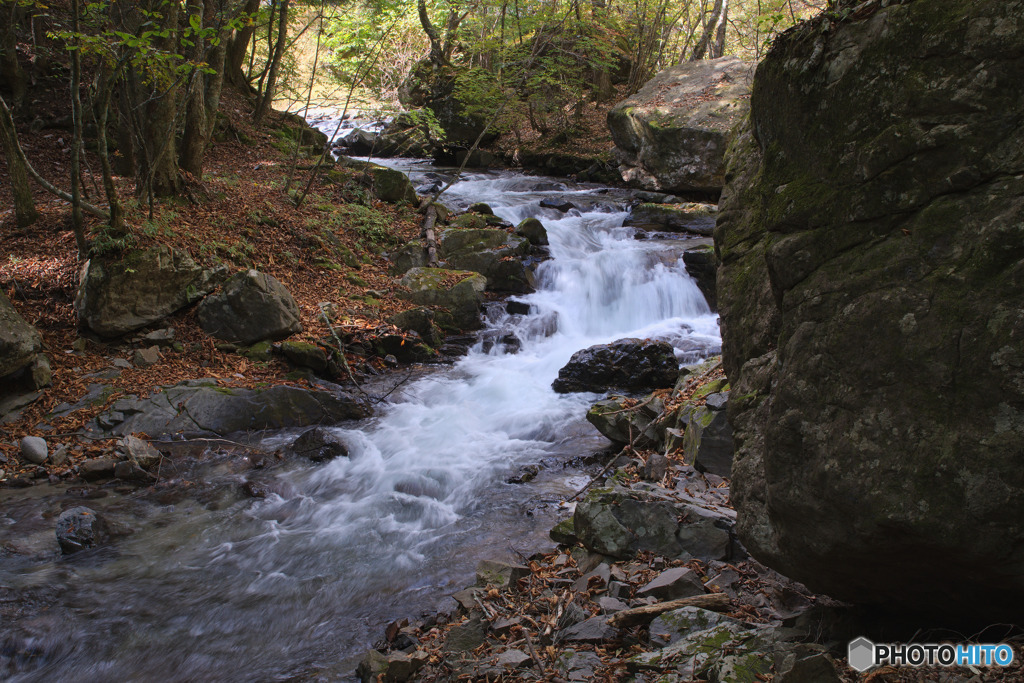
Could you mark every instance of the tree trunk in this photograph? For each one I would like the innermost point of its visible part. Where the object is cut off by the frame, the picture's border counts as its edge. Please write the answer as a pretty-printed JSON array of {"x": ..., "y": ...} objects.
[
  {"x": 10, "y": 135},
  {"x": 238, "y": 47},
  {"x": 275, "y": 64},
  {"x": 106, "y": 87},
  {"x": 25, "y": 213},
  {"x": 11, "y": 73},
  {"x": 719, "y": 49},
  {"x": 163, "y": 178},
  {"x": 709, "y": 29},
  {"x": 76, "y": 141},
  {"x": 436, "y": 48},
  {"x": 193, "y": 142}
]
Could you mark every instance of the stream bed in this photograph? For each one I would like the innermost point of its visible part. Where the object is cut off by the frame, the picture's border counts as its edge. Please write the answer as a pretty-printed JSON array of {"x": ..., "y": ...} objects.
[{"x": 214, "y": 585}]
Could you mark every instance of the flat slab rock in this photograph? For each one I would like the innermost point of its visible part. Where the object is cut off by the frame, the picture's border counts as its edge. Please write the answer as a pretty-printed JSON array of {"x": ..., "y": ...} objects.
[{"x": 201, "y": 407}]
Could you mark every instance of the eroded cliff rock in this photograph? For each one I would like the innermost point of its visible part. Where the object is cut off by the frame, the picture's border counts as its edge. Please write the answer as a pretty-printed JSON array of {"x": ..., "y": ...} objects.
[{"x": 871, "y": 237}]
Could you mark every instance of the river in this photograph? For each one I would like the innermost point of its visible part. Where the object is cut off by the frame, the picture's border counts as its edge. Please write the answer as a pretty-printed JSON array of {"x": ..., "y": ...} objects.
[{"x": 217, "y": 586}]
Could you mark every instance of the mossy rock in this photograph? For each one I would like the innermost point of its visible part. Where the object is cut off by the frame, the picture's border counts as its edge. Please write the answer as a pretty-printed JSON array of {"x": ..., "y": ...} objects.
[
  {"x": 533, "y": 230},
  {"x": 470, "y": 221},
  {"x": 260, "y": 352},
  {"x": 458, "y": 291}
]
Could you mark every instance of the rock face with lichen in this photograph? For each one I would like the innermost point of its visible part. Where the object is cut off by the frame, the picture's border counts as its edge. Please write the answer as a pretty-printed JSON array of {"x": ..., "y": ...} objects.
[
  {"x": 672, "y": 135},
  {"x": 871, "y": 239}
]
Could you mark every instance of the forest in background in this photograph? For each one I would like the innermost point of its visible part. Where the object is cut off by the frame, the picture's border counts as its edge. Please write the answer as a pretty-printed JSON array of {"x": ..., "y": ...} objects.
[{"x": 145, "y": 79}]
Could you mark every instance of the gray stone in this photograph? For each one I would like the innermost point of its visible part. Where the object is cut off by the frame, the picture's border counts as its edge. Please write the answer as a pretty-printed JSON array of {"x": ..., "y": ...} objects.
[
  {"x": 465, "y": 637},
  {"x": 201, "y": 407},
  {"x": 59, "y": 457},
  {"x": 533, "y": 230},
  {"x": 145, "y": 358},
  {"x": 163, "y": 337},
  {"x": 118, "y": 295},
  {"x": 708, "y": 444},
  {"x": 717, "y": 401},
  {"x": 611, "y": 605},
  {"x": 39, "y": 374},
  {"x": 671, "y": 136},
  {"x": 410, "y": 255},
  {"x": 142, "y": 453},
  {"x": 620, "y": 523},
  {"x": 625, "y": 364},
  {"x": 694, "y": 218},
  {"x": 656, "y": 467},
  {"x": 514, "y": 659},
  {"x": 492, "y": 252},
  {"x": 577, "y": 666},
  {"x": 80, "y": 528},
  {"x": 250, "y": 307},
  {"x": 121, "y": 363},
  {"x": 320, "y": 444},
  {"x": 871, "y": 231},
  {"x": 389, "y": 184},
  {"x": 675, "y": 625},
  {"x": 19, "y": 341},
  {"x": 460, "y": 292},
  {"x": 702, "y": 265},
  {"x": 97, "y": 468},
  {"x": 34, "y": 450},
  {"x": 372, "y": 667},
  {"x": 673, "y": 583},
  {"x": 306, "y": 355},
  {"x": 622, "y": 426},
  {"x": 500, "y": 574},
  {"x": 592, "y": 630}
]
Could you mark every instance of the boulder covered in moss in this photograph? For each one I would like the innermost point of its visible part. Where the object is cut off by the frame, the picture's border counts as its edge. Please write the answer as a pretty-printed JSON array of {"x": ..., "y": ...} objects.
[
  {"x": 492, "y": 252},
  {"x": 872, "y": 247},
  {"x": 460, "y": 292},
  {"x": 118, "y": 294},
  {"x": 672, "y": 135}
]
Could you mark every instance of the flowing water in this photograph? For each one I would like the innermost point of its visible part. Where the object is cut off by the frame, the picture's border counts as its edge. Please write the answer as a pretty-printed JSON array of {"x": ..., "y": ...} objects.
[{"x": 215, "y": 586}]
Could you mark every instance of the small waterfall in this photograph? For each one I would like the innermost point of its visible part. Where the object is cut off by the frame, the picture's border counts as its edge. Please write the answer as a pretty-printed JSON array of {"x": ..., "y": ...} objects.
[{"x": 263, "y": 590}]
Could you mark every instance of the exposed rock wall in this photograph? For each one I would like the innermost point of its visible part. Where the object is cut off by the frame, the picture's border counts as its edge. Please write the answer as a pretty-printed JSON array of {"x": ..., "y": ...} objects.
[{"x": 871, "y": 237}]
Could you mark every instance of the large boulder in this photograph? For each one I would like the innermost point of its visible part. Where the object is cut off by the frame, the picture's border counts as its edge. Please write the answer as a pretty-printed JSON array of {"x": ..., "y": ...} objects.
[
  {"x": 672, "y": 135},
  {"x": 388, "y": 184},
  {"x": 411, "y": 134},
  {"x": 492, "y": 252},
  {"x": 621, "y": 523},
  {"x": 625, "y": 364},
  {"x": 118, "y": 295},
  {"x": 462, "y": 100},
  {"x": 693, "y": 217},
  {"x": 250, "y": 307},
  {"x": 458, "y": 291},
  {"x": 202, "y": 407},
  {"x": 19, "y": 341},
  {"x": 872, "y": 247}
]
